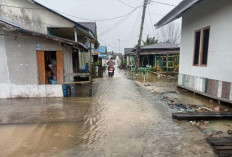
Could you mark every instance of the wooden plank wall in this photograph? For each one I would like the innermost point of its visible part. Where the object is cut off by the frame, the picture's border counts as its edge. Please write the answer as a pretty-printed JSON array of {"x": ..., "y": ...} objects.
[
  {"x": 226, "y": 90},
  {"x": 211, "y": 87}
]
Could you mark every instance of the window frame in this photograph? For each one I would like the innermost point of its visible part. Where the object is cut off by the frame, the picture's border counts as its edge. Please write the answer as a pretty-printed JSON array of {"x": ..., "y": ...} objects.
[{"x": 201, "y": 46}]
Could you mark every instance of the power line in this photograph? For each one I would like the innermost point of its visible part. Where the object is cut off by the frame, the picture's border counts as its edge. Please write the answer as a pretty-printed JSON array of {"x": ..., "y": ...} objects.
[
  {"x": 126, "y": 4},
  {"x": 133, "y": 31},
  {"x": 113, "y": 26},
  {"x": 117, "y": 23},
  {"x": 107, "y": 44},
  {"x": 163, "y": 3},
  {"x": 107, "y": 19},
  {"x": 151, "y": 20}
]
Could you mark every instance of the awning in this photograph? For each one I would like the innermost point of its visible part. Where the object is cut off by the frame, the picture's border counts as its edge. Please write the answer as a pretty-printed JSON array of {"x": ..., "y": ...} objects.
[{"x": 36, "y": 34}]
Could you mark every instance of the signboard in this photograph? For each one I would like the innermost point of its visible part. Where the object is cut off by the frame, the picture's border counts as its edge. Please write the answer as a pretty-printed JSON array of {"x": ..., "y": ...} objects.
[{"x": 100, "y": 55}]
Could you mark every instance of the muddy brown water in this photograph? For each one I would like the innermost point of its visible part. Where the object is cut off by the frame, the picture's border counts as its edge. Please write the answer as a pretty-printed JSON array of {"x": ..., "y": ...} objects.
[
  {"x": 120, "y": 120},
  {"x": 182, "y": 96}
]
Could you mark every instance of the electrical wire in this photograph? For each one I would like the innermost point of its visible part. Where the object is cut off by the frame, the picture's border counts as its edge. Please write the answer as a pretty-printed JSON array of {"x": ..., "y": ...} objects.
[
  {"x": 131, "y": 34},
  {"x": 151, "y": 20},
  {"x": 99, "y": 20},
  {"x": 107, "y": 43},
  {"x": 126, "y": 4},
  {"x": 167, "y": 4},
  {"x": 115, "y": 25},
  {"x": 107, "y": 19}
]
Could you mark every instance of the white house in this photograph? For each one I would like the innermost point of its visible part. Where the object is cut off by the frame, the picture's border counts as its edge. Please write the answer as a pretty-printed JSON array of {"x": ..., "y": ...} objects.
[
  {"x": 206, "y": 49},
  {"x": 38, "y": 49}
]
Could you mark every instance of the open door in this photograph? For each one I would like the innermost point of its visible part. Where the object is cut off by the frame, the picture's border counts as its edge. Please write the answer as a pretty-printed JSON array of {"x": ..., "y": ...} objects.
[
  {"x": 41, "y": 67},
  {"x": 59, "y": 57}
]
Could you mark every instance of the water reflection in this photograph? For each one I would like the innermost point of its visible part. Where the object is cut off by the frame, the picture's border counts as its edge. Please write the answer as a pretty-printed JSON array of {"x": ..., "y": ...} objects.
[{"x": 121, "y": 119}]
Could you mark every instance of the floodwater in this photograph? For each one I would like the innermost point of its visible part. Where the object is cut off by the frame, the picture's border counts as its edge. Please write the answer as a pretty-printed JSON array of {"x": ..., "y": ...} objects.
[
  {"x": 167, "y": 86},
  {"x": 120, "y": 120}
]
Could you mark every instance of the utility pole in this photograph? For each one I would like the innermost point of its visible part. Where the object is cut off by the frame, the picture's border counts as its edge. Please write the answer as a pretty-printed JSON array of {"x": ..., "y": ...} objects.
[
  {"x": 119, "y": 46},
  {"x": 141, "y": 34}
]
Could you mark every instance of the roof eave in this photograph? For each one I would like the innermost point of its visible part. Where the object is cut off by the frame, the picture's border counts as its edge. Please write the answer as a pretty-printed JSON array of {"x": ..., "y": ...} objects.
[
  {"x": 177, "y": 12},
  {"x": 36, "y": 34},
  {"x": 74, "y": 22}
]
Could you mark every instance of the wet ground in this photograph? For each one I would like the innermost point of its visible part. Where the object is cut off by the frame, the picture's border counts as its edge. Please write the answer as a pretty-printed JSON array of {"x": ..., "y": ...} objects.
[
  {"x": 166, "y": 91},
  {"x": 167, "y": 87},
  {"x": 121, "y": 119}
]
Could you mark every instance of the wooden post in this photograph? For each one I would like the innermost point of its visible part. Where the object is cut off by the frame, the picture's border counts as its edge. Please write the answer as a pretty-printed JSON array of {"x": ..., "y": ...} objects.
[
  {"x": 140, "y": 35},
  {"x": 90, "y": 71},
  {"x": 75, "y": 34},
  {"x": 59, "y": 58},
  {"x": 41, "y": 67}
]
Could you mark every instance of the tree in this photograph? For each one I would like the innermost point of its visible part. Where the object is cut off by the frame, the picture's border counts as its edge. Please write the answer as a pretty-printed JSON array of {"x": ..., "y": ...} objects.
[
  {"x": 170, "y": 33},
  {"x": 96, "y": 44},
  {"x": 149, "y": 41}
]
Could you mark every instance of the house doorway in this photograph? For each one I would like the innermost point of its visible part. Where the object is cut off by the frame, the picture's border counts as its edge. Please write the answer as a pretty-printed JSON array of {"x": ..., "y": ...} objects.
[{"x": 50, "y": 67}]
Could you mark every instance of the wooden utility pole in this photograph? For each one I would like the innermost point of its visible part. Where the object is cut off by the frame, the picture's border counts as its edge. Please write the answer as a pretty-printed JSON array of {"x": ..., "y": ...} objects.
[
  {"x": 141, "y": 34},
  {"x": 90, "y": 70}
]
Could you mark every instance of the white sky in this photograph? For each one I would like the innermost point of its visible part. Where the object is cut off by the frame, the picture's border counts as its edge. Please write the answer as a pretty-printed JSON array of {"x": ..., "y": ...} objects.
[{"x": 127, "y": 31}]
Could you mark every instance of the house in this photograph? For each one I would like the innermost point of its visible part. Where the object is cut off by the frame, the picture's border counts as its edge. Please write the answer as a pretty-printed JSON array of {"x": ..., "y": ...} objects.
[
  {"x": 205, "y": 55},
  {"x": 162, "y": 57},
  {"x": 129, "y": 55},
  {"x": 38, "y": 50},
  {"x": 84, "y": 57},
  {"x": 100, "y": 54}
]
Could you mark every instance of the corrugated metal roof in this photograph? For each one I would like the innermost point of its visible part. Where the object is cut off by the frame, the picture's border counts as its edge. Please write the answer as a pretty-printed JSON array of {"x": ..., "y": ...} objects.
[
  {"x": 127, "y": 50},
  {"x": 83, "y": 28},
  {"x": 36, "y": 34},
  {"x": 177, "y": 12},
  {"x": 91, "y": 25},
  {"x": 162, "y": 46}
]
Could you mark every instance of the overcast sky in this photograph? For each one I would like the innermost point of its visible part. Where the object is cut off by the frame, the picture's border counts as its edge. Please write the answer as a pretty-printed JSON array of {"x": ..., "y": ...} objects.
[{"x": 126, "y": 29}]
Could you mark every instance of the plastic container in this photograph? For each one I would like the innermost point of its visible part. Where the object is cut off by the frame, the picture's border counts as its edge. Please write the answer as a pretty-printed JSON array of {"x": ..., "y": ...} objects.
[
  {"x": 65, "y": 90},
  {"x": 52, "y": 81}
]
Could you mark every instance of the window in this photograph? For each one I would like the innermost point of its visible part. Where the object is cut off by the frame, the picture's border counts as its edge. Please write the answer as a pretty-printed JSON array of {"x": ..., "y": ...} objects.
[
  {"x": 197, "y": 47},
  {"x": 201, "y": 47},
  {"x": 205, "y": 47}
]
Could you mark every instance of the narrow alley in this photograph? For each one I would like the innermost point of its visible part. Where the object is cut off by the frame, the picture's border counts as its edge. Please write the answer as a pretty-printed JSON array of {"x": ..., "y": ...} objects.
[{"x": 121, "y": 119}]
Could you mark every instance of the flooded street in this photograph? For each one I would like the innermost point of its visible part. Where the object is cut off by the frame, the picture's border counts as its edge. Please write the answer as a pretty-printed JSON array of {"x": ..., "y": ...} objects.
[{"x": 121, "y": 119}]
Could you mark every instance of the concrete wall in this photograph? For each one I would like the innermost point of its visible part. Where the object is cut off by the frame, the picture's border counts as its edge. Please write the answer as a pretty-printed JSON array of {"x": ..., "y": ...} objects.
[
  {"x": 37, "y": 19},
  {"x": 68, "y": 64},
  {"x": 4, "y": 72},
  {"x": 21, "y": 57},
  {"x": 18, "y": 67},
  {"x": 216, "y": 14}
]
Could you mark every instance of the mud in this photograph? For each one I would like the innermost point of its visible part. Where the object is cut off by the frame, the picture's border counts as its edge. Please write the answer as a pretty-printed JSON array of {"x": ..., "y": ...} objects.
[{"x": 121, "y": 119}]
